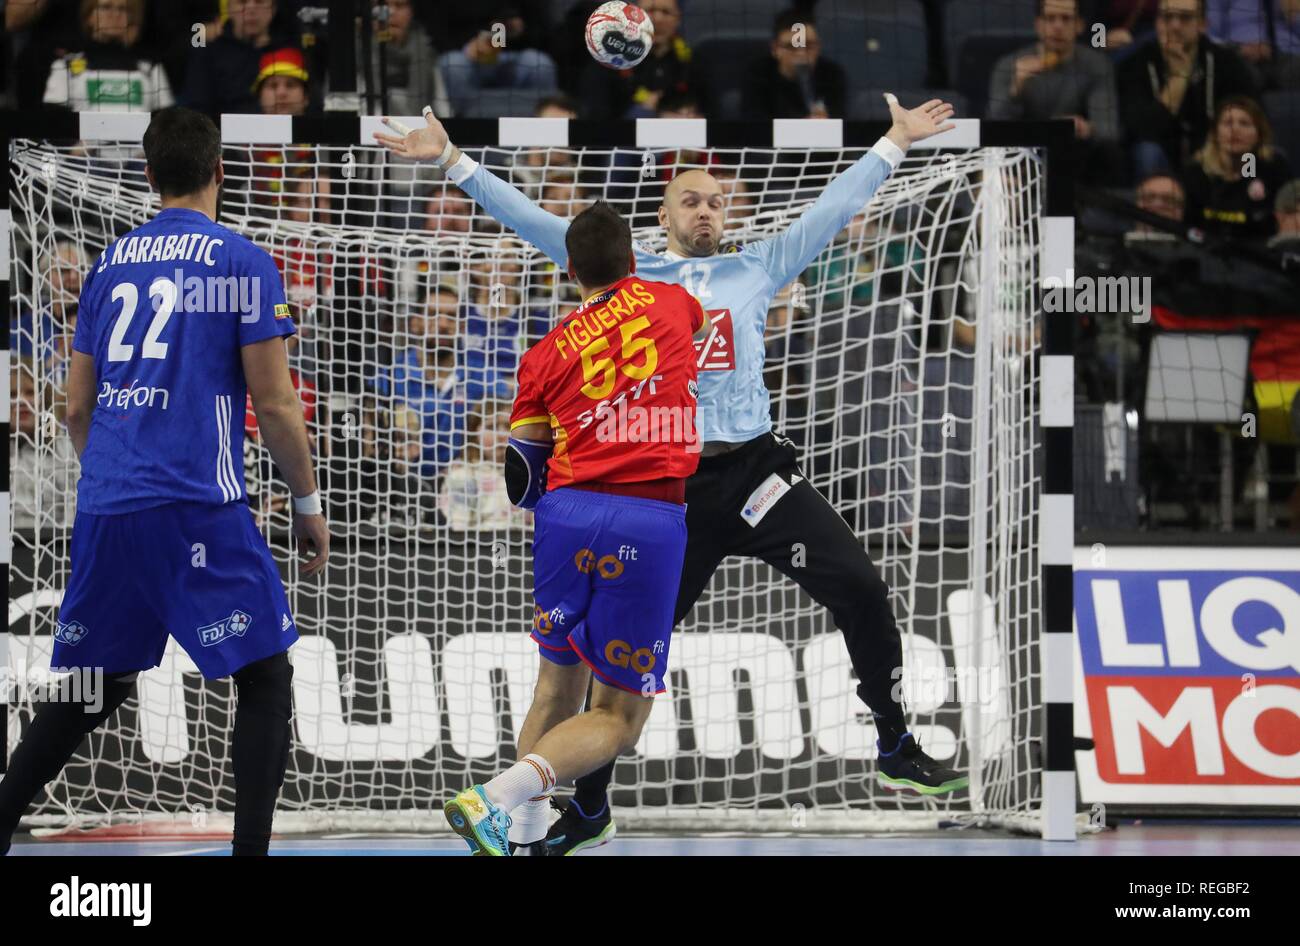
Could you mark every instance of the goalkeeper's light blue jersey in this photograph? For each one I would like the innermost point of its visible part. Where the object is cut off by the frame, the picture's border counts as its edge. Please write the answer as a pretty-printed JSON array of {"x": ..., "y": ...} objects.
[
  {"x": 164, "y": 314},
  {"x": 735, "y": 288}
]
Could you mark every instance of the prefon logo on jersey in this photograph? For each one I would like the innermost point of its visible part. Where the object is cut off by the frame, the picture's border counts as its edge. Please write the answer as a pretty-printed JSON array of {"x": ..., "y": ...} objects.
[
  {"x": 131, "y": 396},
  {"x": 234, "y": 626},
  {"x": 1190, "y": 676}
]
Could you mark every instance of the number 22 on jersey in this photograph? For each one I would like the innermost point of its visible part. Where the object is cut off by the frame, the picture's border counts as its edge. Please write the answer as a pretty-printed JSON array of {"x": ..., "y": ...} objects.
[{"x": 165, "y": 292}]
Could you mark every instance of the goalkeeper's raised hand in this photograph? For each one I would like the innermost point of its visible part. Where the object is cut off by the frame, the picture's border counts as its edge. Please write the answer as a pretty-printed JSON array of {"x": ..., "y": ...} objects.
[
  {"x": 924, "y": 121},
  {"x": 419, "y": 144}
]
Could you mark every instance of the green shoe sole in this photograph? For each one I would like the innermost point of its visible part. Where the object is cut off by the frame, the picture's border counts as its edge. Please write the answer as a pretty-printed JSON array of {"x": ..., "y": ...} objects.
[
  {"x": 907, "y": 785},
  {"x": 604, "y": 837}
]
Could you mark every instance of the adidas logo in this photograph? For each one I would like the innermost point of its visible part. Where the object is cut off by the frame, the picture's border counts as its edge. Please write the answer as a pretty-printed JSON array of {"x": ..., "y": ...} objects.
[{"x": 285, "y": 623}]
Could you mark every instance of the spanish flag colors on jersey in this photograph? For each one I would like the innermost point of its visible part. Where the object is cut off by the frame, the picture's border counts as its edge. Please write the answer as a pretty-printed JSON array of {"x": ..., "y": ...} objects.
[{"x": 616, "y": 382}]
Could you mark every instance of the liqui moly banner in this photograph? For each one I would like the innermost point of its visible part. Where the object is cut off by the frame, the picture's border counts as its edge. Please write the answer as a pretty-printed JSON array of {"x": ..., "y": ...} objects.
[{"x": 1188, "y": 675}]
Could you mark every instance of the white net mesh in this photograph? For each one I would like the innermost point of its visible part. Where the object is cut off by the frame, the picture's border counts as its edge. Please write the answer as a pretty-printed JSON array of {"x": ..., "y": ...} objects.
[{"x": 901, "y": 363}]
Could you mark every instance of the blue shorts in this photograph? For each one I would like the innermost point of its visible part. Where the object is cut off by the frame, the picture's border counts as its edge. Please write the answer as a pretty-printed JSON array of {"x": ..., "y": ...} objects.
[
  {"x": 201, "y": 573},
  {"x": 606, "y": 570}
]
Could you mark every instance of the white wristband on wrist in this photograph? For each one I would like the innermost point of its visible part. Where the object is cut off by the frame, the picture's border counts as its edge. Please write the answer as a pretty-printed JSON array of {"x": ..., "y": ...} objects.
[{"x": 307, "y": 505}]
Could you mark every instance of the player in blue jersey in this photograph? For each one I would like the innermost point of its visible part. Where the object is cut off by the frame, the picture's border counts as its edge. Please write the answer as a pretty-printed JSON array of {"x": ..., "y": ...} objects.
[
  {"x": 179, "y": 320},
  {"x": 748, "y": 496}
]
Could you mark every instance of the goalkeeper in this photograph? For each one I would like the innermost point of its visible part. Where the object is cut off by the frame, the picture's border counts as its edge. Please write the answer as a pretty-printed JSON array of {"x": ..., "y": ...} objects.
[{"x": 748, "y": 496}]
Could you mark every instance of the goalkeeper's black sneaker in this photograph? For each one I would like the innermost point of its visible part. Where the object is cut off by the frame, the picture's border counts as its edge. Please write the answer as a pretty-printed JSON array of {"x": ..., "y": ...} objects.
[
  {"x": 907, "y": 768},
  {"x": 576, "y": 832}
]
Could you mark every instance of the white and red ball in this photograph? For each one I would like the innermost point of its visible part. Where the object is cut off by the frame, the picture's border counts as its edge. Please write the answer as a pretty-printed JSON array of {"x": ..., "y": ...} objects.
[{"x": 619, "y": 34}]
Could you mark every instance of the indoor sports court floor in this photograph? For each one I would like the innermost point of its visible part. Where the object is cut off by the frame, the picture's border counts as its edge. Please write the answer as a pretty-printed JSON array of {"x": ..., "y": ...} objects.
[{"x": 1179, "y": 839}]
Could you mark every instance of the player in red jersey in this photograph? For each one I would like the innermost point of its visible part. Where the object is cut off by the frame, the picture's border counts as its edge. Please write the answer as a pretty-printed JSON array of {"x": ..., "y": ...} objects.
[{"x": 602, "y": 441}]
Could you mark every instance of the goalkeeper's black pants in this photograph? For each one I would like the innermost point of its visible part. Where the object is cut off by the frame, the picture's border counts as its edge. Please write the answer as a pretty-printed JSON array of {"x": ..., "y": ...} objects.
[{"x": 801, "y": 535}]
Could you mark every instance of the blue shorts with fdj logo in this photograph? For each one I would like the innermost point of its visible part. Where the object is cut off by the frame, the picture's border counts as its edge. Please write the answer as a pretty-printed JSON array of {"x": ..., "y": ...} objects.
[
  {"x": 201, "y": 573},
  {"x": 606, "y": 570}
]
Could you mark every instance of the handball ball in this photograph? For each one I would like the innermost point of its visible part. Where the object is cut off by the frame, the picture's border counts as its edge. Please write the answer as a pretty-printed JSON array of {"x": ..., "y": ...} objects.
[{"x": 619, "y": 34}]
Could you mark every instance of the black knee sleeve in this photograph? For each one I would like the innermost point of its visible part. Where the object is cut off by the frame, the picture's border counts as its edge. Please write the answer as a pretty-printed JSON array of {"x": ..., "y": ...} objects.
[
  {"x": 267, "y": 682},
  {"x": 264, "y": 693}
]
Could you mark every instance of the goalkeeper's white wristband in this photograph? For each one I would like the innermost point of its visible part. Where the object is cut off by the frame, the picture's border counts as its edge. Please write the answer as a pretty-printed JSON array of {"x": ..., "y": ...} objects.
[
  {"x": 307, "y": 505},
  {"x": 459, "y": 172},
  {"x": 889, "y": 152}
]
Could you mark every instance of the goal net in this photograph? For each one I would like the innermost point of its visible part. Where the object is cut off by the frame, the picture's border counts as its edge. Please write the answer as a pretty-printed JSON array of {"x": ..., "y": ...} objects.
[{"x": 902, "y": 363}]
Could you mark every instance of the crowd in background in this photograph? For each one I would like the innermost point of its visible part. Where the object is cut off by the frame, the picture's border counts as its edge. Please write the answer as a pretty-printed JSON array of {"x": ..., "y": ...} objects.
[{"x": 1187, "y": 109}]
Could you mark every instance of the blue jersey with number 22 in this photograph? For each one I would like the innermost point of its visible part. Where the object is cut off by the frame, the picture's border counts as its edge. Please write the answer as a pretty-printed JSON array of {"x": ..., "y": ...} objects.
[{"x": 164, "y": 313}]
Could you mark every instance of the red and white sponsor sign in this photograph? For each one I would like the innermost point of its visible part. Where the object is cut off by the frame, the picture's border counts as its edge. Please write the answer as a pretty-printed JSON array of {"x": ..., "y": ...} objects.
[
  {"x": 1187, "y": 675},
  {"x": 717, "y": 352}
]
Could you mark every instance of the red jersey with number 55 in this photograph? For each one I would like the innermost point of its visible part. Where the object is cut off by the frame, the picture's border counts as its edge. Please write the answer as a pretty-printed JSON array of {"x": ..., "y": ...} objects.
[{"x": 616, "y": 382}]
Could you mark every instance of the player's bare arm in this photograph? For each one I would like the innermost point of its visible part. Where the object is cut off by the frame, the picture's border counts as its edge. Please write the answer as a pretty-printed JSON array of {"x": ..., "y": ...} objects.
[
  {"x": 279, "y": 417},
  {"x": 81, "y": 399}
]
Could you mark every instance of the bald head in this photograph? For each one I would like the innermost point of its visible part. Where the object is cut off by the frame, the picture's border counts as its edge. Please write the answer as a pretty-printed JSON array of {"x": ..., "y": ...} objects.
[
  {"x": 693, "y": 212},
  {"x": 696, "y": 179}
]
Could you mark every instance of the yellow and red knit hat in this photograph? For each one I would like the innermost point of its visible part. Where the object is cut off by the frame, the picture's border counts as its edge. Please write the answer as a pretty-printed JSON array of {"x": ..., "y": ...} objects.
[{"x": 281, "y": 62}]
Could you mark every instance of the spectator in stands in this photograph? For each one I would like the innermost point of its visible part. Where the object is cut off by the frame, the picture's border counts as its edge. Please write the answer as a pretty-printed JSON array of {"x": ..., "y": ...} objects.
[
  {"x": 492, "y": 44},
  {"x": 636, "y": 93},
  {"x": 281, "y": 83},
  {"x": 1245, "y": 24},
  {"x": 1161, "y": 194},
  {"x": 428, "y": 376},
  {"x": 473, "y": 494},
  {"x": 414, "y": 78},
  {"x": 740, "y": 202},
  {"x": 1058, "y": 78},
  {"x": 533, "y": 167},
  {"x": 285, "y": 178},
  {"x": 1286, "y": 211},
  {"x": 783, "y": 337},
  {"x": 496, "y": 317},
  {"x": 1125, "y": 20},
  {"x": 45, "y": 335},
  {"x": 43, "y": 468},
  {"x": 671, "y": 163},
  {"x": 844, "y": 277},
  {"x": 224, "y": 72},
  {"x": 403, "y": 496},
  {"x": 1170, "y": 86},
  {"x": 448, "y": 210},
  {"x": 1233, "y": 180},
  {"x": 374, "y": 471},
  {"x": 404, "y": 437},
  {"x": 36, "y": 33},
  {"x": 264, "y": 497},
  {"x": 795, "y": 81},
  {"x": 108, "y": 71},
  {"x": 564, "y": 198}
]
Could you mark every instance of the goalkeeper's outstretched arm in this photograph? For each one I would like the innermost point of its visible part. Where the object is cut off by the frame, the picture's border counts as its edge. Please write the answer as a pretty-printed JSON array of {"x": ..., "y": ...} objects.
[
  {"x": 497, "y": 198},
  {"x": 788, "y": 255}
]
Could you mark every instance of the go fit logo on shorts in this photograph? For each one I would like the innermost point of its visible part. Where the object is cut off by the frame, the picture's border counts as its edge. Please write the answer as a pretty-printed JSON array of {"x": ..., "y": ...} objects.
[
  {"x": 607, "y": 566},
  {"x": 620, "y": 654}
]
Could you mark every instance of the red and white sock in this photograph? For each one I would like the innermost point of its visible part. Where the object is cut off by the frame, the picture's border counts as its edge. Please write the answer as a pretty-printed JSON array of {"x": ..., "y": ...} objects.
[{"x": 530, "y": 777}]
